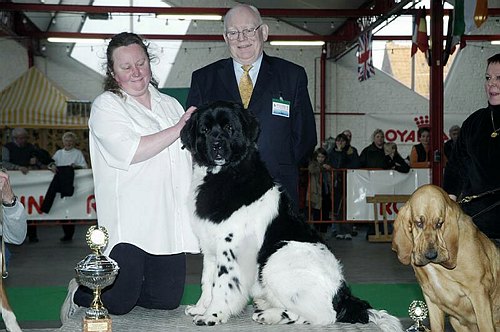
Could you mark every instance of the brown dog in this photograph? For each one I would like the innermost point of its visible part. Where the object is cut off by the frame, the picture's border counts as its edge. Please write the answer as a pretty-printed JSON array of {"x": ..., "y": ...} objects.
[{"x": 456, "y": 265}]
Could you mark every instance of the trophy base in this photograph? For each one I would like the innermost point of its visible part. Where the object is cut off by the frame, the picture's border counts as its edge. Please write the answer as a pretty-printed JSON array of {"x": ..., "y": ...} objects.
[{"x": 96, "y": 325}]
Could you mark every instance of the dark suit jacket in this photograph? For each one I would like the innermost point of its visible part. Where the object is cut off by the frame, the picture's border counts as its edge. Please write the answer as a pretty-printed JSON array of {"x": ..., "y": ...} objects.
[{"x": 284, "y": 143}]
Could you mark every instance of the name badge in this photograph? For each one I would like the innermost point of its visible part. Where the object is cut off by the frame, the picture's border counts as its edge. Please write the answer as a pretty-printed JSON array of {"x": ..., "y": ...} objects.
[{"x": 281, "y": 108}]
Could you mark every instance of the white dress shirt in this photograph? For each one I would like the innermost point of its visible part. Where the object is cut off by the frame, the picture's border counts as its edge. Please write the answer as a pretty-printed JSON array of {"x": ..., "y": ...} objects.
[{"x": 143, "y": 204}]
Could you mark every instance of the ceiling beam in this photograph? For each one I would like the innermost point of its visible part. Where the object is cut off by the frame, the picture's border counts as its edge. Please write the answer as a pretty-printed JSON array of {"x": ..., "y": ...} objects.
[
  {"x": 218, "y": 37},
  {"x": 273, "y": 12}
]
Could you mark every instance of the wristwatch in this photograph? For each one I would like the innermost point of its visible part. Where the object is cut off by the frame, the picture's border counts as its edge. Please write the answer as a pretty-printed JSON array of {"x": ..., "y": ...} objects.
[{"x": 11, "y": 204}]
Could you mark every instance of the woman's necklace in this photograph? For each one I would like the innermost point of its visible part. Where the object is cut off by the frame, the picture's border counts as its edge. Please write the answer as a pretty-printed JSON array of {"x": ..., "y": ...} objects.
[{"x": 495, "y": 130}]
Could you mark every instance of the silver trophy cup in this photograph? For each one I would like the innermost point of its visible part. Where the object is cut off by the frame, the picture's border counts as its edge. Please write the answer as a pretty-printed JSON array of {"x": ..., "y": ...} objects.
[
  {"x": 418, "y": 313},
  {"x": 96, "y": 271}
]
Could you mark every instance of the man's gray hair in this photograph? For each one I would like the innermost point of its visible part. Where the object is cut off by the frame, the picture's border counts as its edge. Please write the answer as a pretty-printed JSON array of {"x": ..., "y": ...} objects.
[
  {"x": 454, "y": 128},
  {"x": 230, "y": 12},
  {"x": 376, "y": 132},
  {"x": 16, "y": 132}
]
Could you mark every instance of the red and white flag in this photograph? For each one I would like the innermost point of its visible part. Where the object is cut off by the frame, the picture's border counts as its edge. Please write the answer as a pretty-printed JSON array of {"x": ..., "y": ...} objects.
[
  {"x": 365, "y": 59},
  {"x": 420, "y": 40}
]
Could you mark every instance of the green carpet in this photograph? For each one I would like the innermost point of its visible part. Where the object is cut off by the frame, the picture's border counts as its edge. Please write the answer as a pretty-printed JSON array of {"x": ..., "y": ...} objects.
[{"x": 44, "y": 303}]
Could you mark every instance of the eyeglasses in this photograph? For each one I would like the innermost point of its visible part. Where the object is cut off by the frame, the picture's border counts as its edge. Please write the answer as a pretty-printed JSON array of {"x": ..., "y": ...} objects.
[{"x": 235, "y": 34}]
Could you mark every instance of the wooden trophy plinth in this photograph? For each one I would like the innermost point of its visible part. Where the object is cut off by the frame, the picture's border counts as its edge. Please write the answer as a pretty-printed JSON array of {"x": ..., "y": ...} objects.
[{"x": 96, "y": 325}]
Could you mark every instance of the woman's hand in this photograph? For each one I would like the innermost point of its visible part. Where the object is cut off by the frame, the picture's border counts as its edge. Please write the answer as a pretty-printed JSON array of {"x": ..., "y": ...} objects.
[
  {"x": 7, "y": 195},
  {"x": 186, "y": 116}
]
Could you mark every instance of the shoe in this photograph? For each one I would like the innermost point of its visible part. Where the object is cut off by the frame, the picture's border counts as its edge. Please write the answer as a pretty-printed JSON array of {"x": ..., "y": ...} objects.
[
  {"x": 69, "y": 307},
  {"x": 340, "y": 237},
  {"x": 66, "y": 239},
  {"x": 348, "y": 237}
]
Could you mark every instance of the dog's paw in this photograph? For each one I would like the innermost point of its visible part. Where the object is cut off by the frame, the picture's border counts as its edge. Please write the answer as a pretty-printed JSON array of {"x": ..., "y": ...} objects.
[
  {"x": 260, "y": 304},
  {"x": 275, "y": 316},
  {"x": 194, "y": 310},
  {"x": 208, "y": 320}
]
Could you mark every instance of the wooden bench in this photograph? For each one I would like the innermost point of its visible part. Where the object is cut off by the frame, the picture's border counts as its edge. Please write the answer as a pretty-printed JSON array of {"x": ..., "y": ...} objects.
[{"x": 383, "y": 200}]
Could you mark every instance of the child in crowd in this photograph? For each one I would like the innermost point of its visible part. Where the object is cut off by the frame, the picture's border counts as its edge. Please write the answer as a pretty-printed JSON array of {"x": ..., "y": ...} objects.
[{"x": 320, "y": 187}]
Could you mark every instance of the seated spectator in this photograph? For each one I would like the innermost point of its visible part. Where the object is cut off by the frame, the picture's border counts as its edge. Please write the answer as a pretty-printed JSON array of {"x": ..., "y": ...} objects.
[
  {"x": 19, "y": 154},
  {"x": 420, "y": 153},
  {"x": 448, "y": 145},
  {"x": 13, "y": 227},
  {"x": 68, "y": 156},
  {"x": 373, "y": 155},
  {"x": 393, "y": 159}
]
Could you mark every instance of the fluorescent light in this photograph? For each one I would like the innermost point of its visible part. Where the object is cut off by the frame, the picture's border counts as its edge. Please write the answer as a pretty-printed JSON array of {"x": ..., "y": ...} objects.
[
  {"x": 190, "y": 17},
  {"x": 297, "y": 43},
  {"x": 75, "y": 40},
  {"x": 495, "y": 42}
]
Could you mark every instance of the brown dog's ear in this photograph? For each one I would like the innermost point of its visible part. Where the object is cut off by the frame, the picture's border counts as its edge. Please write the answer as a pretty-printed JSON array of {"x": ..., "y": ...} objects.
[
  {"x": 402, "y": 240},
  {"x": 451, "y": 232}
]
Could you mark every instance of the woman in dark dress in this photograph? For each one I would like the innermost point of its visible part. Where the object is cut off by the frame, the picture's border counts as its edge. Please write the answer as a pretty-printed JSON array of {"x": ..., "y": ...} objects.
[{"x": 473, "y": 169}]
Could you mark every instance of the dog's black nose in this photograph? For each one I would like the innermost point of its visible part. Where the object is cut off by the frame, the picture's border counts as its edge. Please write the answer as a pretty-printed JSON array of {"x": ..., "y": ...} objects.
[
  {"x": 217, "y": 145},
  {"x": 431, "y": 254}
]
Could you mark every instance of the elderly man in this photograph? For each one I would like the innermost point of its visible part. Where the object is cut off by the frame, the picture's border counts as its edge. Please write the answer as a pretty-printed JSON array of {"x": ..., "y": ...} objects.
[{"x": 274, "y": 89}]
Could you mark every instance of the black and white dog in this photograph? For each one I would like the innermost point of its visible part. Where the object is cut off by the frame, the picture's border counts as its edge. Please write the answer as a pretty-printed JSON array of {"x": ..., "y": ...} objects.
[{"x": 253, "y": 244}]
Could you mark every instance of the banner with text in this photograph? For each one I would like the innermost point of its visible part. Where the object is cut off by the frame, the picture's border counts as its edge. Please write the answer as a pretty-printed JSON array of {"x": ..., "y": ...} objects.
[
  {"x": 364, "y": 183},
  {"x": 32, "y": 187},
  {"x": 402, "y": 128}
]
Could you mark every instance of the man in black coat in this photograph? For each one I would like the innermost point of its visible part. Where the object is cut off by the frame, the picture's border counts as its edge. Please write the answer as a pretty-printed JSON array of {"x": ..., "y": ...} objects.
[{"x": 280, "y": 99}]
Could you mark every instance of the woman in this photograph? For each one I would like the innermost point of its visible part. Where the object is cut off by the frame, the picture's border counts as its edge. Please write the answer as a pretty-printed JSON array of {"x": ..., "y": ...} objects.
[
  {"x": 420, "y": 153},
  {"x": 13, "y": 226},
  {"x": 341, "y": 157},
  {"x": 476, "y": 157},
  {"x": 373, "y": 155},
  {"x": 140, "y": 183}
]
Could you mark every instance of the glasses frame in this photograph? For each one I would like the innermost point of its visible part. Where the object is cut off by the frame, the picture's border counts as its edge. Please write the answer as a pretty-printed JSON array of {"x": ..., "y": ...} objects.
[{"x": 247, "y": 33}]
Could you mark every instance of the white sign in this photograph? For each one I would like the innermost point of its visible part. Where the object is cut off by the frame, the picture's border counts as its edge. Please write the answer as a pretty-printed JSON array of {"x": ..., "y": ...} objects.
[
  {"x": 32, "y": 187},
  {"x": 365, "y": 183}
]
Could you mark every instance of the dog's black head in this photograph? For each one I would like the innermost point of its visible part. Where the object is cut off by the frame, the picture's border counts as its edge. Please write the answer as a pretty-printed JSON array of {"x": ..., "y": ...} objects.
[{"x": 220, "y": 134}]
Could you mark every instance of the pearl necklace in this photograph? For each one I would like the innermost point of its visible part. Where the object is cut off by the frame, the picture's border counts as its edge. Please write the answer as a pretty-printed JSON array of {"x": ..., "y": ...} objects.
[{"x": 495, "y": 130}]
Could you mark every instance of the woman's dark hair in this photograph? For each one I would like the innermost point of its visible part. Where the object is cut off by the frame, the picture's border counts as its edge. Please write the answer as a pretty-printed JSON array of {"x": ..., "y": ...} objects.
[
  {"x": 494, "y": 59},
  {"x": 342, "y": 136},
  {"x": 422, "y": 129},
  {"x": 119, "y": 40}
]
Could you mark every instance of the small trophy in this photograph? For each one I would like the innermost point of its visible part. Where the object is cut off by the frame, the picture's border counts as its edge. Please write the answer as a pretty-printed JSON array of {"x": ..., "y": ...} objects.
[
  {"x": 418, "y": 312},
  {"x": 96, "y": 272}
]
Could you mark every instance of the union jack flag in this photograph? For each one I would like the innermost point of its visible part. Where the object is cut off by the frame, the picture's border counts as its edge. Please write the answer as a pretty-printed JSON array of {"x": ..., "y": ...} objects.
[{"x": 365, "y": 60}]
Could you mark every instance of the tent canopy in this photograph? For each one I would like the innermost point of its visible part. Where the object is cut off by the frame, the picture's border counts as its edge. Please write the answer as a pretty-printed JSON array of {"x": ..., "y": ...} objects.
[{"x": 32, "y": 101}]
